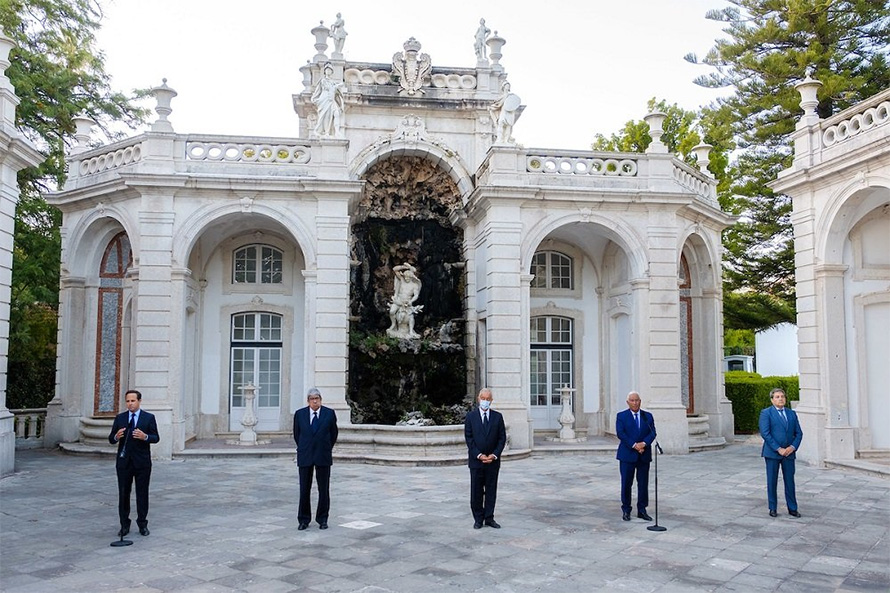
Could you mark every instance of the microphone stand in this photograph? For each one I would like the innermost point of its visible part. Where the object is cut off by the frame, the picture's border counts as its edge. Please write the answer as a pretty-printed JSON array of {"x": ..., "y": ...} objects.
[
  {"x": 121, "y": 542},
  {"x": 656, "y": 453}
]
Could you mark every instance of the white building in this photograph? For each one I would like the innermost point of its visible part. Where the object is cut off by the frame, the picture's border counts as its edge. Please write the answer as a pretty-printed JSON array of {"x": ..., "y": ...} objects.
[
  {"x": 16, "y": 153},
  {"x": 840, "y": 186},
  {"x": 597, "y": 270},
  {"x": 776, "y": 350}
]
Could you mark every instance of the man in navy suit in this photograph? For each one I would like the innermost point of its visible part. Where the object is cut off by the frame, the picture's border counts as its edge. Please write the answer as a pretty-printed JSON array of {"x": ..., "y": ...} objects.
[
  {"x": 486, "y": 437},
  {"x": 636, "y": 431},
  {"x": 315, "y": 432},
  {"x": 133, "y": 431},
  {"x": 781, "y": 439}
]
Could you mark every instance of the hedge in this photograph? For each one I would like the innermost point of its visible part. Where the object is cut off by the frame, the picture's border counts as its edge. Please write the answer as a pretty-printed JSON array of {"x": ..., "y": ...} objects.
[{"x": 749, "y": 394}]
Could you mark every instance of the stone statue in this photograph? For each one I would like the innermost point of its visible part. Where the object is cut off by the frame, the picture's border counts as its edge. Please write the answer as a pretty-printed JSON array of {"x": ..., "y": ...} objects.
[
  {"x": 482, "y": 34},
  {"x": 504, "y": 113},
  {"x": 329, "y": 102},
  {"x": 338, "y": 34},
  {"x": 406, "y": 290},
  {"x": 411, "y": 67}
]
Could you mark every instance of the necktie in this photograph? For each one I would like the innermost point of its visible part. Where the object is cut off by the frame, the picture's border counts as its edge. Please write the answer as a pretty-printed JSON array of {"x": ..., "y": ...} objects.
[
  {"x": 131, "y": 426},
  {"x": 314, "y": 418},
  {"x": 782, "y": 414},
  {"x": 485, "y": 420},
  {"x": 637, "y": 419}
]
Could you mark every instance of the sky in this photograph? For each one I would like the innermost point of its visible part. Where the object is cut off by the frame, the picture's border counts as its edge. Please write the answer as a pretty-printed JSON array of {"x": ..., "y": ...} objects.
[{"x": 580, "y": 67}]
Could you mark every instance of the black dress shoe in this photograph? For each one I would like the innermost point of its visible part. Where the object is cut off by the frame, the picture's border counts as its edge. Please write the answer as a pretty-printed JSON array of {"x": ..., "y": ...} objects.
[
  {"x": 144, "y": 531},
  {"x": 625, "y": 516},
  {"x": 794, "y": 514},
  {"x": 493, "y": 523},
  {"x": 644, "y": 516},
  {"x": 477, "y": 525},
  {"x": 302, "y": 526},
  {"x": 323, "y": 525},
  {"x": 773, "y": 513},
  {"x": 123, "y": 531}
]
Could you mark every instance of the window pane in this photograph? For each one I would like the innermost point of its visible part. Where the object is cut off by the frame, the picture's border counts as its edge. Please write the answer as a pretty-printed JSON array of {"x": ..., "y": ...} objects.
[
  {"x": 242, "y": 373},
  {"x": 270, "y": 327},
  {"x": 538, "y": 330},
  {"x": 539, "y": 269},
  {"x": 269, "y": 377},
  {"x": 538, "y": 382},
  {"x": 272, "y": 265},
  {"x": 560, "y": 271},
  {"x": 245, "y": 265}
]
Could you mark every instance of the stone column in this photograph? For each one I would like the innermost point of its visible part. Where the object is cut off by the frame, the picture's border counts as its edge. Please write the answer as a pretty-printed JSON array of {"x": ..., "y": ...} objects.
[
  {"x": 63, "y": 413},
  {"x": 157, "y": 323},
  {"x": 710, "y": 360},
  {"x": 503, "y": 297},
  {"x": 331, "y": 317},
  {"x": 658, "y": 342},
  {"x": 16, "y": 153}
]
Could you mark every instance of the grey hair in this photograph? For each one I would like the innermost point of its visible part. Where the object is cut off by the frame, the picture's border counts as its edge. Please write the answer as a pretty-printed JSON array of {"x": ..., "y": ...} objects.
[
  {"x": 313, "y": 391},
  {"x": 776, "y": 390},
  {"x": 484, "y": 390}
]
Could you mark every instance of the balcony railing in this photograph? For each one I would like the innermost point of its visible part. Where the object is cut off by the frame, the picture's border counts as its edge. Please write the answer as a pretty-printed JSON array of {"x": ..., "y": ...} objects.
[{"x": 29, "y": 426}]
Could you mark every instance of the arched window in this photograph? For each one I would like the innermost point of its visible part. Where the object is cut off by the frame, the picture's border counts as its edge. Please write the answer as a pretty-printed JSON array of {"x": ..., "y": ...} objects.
[
  {"x": 551, "y": 358},
  {"x": 256, "y": 358},
  {"x": 116, "y": 260},
  {"x": 257, "y": 264},
  {"x": 552, "y": 269}
]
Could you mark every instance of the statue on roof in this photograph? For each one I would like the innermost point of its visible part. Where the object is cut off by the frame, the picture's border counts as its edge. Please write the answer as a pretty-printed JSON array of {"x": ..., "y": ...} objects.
[
  {"x": 338, "y": 34},
  {"x": 504, "y": 113},
  {"x": 329, "y": 103},
  {"x": 482, "y": 34},
  {"x": 412, "y": 70}
]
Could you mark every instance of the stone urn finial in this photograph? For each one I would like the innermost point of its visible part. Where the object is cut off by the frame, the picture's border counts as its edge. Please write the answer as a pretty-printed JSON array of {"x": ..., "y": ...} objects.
[
  {"x": 808, "y": 89},
  {"x": 702, "y": 157},
  {"x": 495, "y": 45},
  {"x": 321, "y": 41},
  {"x": 656, "y": 121},
  {"x": 163, "y": 95},
  {"x": 83, "y": 126}
]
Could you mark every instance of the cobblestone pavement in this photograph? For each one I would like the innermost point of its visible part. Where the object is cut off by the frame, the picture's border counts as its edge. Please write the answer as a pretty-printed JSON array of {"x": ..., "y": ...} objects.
[{"x": 230, "y": 525}]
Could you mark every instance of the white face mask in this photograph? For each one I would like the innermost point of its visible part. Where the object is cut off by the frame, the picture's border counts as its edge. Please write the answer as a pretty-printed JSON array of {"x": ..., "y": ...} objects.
[{"x": 484, "y": 404}]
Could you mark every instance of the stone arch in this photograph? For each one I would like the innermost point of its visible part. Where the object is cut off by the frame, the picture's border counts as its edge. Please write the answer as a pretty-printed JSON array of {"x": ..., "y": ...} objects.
[
  {"x": 86, "y": 242},
  {"x": 437, "y": 153},
  {"x": 701, "y": 255},
  {"x": 190, "y": 231},
  {"x": 617, "y": 231},
  {"x": 846, "y": 207}
]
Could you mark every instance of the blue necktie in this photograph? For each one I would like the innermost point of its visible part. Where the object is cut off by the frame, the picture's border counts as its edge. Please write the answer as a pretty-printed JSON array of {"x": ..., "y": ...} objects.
[
  {"x": 782, "y": 414},
  {"x": 313, "y": 422},
  {"x": 485, "y": 421},
  {"x": 637, "y": 419}
]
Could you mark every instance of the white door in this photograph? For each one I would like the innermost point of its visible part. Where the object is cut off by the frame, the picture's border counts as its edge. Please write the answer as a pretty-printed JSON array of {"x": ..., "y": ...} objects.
[
  {"x": 256, "y": 359},
  {"x": 551, "y": 368}
]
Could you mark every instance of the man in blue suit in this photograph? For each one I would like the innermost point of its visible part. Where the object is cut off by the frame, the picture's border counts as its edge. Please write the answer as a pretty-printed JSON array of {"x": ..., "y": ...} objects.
[
  {"x": 486, "y": 437},
  {"x": 636, "y": 431},
  {"x": 781, "y": 439},
  {"x": 134, "y": 431},
  {"x": 315, "y": 432}
]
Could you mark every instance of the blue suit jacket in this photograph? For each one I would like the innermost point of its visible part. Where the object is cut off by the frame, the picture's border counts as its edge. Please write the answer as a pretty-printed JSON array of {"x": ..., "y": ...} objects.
[
  {"x": 481, "y": 442},
  {"x": 137, "y": 450},
  {"x": 315, "y": 447},
  {"x": 778, "y": 434},
  {"x": 628, "y": 436}
]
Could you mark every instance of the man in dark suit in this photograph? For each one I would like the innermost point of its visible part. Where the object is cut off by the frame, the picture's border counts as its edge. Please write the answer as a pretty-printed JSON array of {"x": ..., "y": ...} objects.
[
  {"x": 781, "y": 438},
  {"x": 133, "y": 431},
  {"x": 315, "y": 432},
  {"x": 636, "y": 431},
  {"x": 486, "y": 437}
]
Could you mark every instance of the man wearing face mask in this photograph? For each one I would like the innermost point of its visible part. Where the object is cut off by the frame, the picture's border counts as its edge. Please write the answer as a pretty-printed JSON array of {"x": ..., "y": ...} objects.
[{"x": 486, "y": 437}]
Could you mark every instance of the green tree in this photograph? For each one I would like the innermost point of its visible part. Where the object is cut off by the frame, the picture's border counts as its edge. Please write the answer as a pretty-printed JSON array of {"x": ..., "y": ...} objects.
[
  {"x": 771, "y": 44},
  {"x": 58, "y": 73}
]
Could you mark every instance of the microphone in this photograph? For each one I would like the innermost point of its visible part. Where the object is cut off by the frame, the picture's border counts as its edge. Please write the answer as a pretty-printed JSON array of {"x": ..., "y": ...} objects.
[{"x": 652, "y": 430}]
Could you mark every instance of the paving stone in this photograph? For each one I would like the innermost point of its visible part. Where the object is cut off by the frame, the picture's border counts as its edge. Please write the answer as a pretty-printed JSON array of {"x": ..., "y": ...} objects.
[{"x": 222, "y": 525}]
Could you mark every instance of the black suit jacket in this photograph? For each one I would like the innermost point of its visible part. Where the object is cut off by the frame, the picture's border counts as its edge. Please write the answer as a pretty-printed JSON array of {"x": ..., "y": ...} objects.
[
  {"x": 137, "y": 450},
  {"x": 315, "y": 447},
  {"x": 481, "y": 442}
]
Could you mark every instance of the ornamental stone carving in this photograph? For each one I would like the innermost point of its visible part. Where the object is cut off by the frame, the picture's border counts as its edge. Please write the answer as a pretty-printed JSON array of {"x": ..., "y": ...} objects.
[{"x": 411, "y": 67}]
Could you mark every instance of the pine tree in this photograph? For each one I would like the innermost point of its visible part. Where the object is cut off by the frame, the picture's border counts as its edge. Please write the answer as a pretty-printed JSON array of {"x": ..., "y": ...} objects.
[{"x": 771, "y": 45}]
